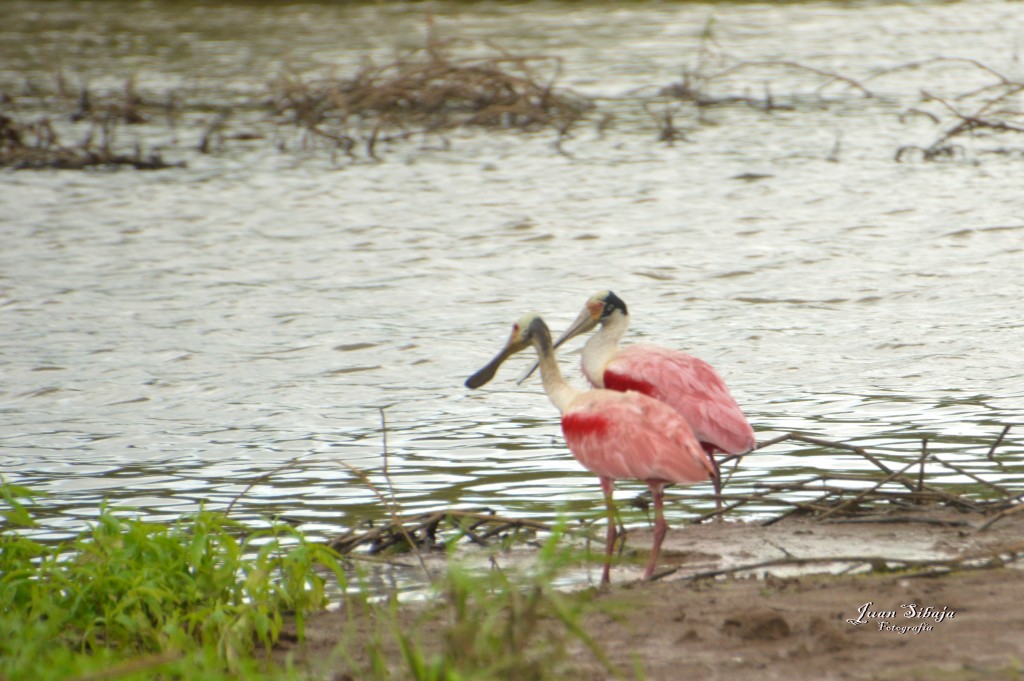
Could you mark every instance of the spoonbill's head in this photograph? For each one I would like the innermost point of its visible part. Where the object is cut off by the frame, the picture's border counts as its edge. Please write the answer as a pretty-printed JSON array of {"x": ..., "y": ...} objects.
[
  {"x": 599, "y": 308},
  {"x": 524, "y": 332}
]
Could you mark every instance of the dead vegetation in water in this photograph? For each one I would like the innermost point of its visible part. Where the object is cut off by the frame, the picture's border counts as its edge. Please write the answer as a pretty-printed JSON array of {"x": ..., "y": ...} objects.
[
  {"x": 697, "y": 91},
  {"x": 714, "y": 69},
  {"x": 878, "y": 496},
  {"x": 37, "y": 145},
  {"x": 448, "y": 84},
  {"x": 99, "y": 119},
  {"x": 716, "y": 80},
  {"x": 428, "y": 91},
  {"x": 988, "y": 111}
]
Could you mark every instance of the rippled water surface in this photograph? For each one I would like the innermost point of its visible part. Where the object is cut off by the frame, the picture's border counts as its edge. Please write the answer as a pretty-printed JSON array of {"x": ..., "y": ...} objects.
[{"x": 166, "y": 338}]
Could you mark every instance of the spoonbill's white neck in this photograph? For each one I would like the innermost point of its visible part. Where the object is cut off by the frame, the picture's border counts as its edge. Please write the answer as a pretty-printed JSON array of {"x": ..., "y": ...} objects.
[
  {"x": 558, "y": 390},
  {"x": 601, "y": 348}
]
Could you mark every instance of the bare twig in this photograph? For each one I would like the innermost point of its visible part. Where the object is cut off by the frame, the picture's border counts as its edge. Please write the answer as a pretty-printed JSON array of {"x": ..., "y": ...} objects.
[
  {"x": 265, "y": 476},
  {"x": 999, "y": 440},
  {"x": 796, "y": 437},
  {"x": 392, "y": 504},
  {"x": 773, "y": 441},
  {"x": 384, "y": 452},
  {"x": 803, "y": 507},
  {"x": 938, "y": 60},
  {"x": 924, "y": 456},
  {"x": 1002, "y": 514},
  {"x": 870, "y": 490},
  {"x": 991, "y": 485},
  {"x": 830, "y": 75}
]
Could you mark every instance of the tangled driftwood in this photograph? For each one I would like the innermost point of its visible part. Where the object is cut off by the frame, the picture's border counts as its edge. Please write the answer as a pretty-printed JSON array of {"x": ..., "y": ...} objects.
[
  {"x": 888, "y": 488},
  {"x": 429, "y": 90},
  {"x": 480, "y": 526},
  {"x": 888, "y": 495}
]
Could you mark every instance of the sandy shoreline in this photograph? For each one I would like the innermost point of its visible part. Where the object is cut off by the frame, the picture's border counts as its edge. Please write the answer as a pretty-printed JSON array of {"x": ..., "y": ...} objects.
[{"x": 792, "y": 620}]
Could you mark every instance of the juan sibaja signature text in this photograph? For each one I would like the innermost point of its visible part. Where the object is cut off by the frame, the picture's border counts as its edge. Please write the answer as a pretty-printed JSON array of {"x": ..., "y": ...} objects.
[{"x": 888, "y": 620}]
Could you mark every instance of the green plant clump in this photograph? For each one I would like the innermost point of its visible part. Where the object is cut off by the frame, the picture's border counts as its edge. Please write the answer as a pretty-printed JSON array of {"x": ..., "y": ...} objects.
[
  {"x": 482, "y": 626},
  {"x": 194, "y": 599},
  {"x": 207, "y": 598}
]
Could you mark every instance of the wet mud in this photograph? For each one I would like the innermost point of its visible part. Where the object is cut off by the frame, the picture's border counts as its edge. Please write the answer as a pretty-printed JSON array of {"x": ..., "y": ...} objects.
[{"x": 954, "y": 614}]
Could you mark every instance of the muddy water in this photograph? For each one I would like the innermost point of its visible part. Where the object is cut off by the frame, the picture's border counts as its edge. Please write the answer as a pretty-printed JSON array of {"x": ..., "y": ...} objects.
[{"x": 167, "y": 338}]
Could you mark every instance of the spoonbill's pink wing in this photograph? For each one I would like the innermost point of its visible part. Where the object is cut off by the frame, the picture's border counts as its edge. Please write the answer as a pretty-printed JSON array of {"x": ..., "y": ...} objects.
[
  {"x": 689, "y": 385},
  {"x": 629, "y": 436}
]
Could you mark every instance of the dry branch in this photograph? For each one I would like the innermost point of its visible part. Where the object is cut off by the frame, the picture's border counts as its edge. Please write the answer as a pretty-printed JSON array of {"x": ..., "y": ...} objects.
[
  {"x": 991, "y": 485},
  {"x": 994, "y": 114},
  {"x": 871, "y": 490},
  {"x": 999, "y": 441},
  {"x": 1002, "y": 514},
  {"x": 421, "y": 530},
  {"x": 837, "y": 501},
  {"x": 829, "y": 76},
  {"x": 698, "y": 83}
]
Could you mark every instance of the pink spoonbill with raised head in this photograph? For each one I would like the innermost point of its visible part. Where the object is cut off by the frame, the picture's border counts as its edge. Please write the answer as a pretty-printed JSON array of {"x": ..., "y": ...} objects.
[
  {"x": 617, "y": 435},
  {"x": 689, "y": 385}
]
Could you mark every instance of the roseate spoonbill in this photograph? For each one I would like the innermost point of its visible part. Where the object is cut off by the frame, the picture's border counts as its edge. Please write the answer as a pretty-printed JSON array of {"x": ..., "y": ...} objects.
[
  {"x": 687, "y": 384},
  {"x": 618, "y": 435}
]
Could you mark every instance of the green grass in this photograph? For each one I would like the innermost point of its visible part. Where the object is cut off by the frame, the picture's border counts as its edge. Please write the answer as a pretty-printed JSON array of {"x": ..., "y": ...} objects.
[
  {"x": 198, "y": 597},
  {"x": 206, "y": 598},
  {"x": 486, "y": 625}
]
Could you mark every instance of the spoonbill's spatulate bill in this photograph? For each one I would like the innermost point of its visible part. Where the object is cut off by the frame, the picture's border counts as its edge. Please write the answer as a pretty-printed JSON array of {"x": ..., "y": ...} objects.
[{"x": 617, "y": 435}]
